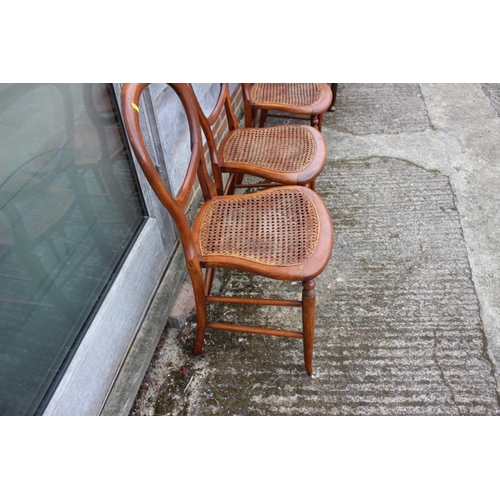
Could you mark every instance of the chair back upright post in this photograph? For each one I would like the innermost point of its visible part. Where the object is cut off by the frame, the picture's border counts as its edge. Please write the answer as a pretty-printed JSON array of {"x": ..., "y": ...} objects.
[
  {"x": 249, "y": 115},
  {"x": 176, "y": 206},
  {"x": 207, "y": 122}
]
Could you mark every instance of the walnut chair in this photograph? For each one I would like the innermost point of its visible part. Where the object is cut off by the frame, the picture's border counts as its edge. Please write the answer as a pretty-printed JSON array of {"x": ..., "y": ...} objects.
[
  {"x": 298, "y": 100},
  {"x": 283, "y": 232},
  {"x": 285, "y": 154}
]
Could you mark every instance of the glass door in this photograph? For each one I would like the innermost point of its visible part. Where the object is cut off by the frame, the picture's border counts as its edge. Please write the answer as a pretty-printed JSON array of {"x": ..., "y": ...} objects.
[{"x": 70, "y": 209}]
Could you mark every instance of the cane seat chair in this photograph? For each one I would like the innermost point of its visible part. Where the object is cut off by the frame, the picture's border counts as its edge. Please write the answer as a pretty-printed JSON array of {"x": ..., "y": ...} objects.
[
  {"x": 286, "y": 100},
  {"x": 283, "y": 233},
  {"x": 284, "y": 154}
]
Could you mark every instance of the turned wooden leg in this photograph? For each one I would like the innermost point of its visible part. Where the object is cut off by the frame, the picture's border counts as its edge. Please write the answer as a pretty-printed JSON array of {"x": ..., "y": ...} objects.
[
  {"x": 333, "y": 86},
  {"x": 308, "y": 322},
  {"x": 315, "y": 122}
]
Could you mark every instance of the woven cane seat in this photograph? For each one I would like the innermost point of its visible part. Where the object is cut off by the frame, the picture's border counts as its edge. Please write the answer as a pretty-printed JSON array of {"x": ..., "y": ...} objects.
[
  {"x": 296, "y": 94},
  {"x": 286, "y": 154},
  {"x": 286, "y": 100},
  {"x": 288, "y": 148},
  {"x": 278, "y": 227}
]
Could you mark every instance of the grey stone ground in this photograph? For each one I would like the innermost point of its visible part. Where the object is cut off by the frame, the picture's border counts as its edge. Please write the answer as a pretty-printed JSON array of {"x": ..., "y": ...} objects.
[{"x": 408, "y": 314}]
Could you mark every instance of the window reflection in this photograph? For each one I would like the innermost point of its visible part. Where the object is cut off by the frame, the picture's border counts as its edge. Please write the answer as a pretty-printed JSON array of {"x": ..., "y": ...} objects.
[{"x": 69, "y": 209}]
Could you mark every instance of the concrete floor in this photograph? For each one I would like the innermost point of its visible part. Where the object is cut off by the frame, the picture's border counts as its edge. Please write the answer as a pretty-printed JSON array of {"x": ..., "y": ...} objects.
[{"x": 408, "y": 309}]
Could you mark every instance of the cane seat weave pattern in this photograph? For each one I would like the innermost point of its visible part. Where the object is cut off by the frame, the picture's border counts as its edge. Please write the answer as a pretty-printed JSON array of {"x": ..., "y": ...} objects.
[
  {"x": 287, "y": 148},
  {"x": 278, "y": 228},
  {"x": 298, "y": 94}
]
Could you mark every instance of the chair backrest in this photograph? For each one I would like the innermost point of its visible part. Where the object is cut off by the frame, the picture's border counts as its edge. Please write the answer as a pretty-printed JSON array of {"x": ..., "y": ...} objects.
[
  {"x": 176, "y": 205},
  {"x": 223, "y": 103}
]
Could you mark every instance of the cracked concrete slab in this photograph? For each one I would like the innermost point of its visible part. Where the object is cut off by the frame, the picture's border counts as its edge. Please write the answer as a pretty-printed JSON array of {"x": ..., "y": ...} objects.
[
  {"x": 408, "y": 309},
  {"x": 371, "y": 108}
]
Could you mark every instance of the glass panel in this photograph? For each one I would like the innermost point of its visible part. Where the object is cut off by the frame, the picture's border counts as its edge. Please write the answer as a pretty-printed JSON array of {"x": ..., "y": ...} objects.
[{"x": 69, "y": 210}]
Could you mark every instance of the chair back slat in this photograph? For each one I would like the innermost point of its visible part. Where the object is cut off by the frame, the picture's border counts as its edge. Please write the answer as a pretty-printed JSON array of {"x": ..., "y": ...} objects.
[
  {"x": 216, "y": 111},
  {"x": 207, "y": 122}
]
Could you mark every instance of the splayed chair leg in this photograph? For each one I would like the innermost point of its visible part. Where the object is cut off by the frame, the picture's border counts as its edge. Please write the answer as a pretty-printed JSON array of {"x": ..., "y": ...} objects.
[{"x": 308, "y": 322}]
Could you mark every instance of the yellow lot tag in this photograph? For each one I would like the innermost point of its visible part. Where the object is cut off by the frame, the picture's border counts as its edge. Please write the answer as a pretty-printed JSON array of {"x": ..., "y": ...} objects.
[{"x": 134, "y": 105}]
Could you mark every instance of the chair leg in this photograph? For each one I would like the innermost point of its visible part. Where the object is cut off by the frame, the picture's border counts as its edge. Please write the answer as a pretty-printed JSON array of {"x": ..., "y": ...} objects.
[
  {"x": 200, "y": 300},
  {"x": 320, "y": 122},
  {"x": 209, "y": 280},
  {"x": 238, "y": 179},
  {"x": 201, "y": 325},
  {"x": 234, "y": 178},
  {"x": 249, "y": 115},
  {"x": 308, "y": 322},
  {"x": 263, "y": 117},
  {"x": 316, "y": 122},
  {"x": 333, "y": 86}
]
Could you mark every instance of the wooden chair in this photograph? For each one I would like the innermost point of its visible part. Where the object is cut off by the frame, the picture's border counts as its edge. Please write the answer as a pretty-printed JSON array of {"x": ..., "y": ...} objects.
[
  {"x": 283, "y": 233},
  {"x": 298, "y": 100},
  {"x": 285, "y": 154}
]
